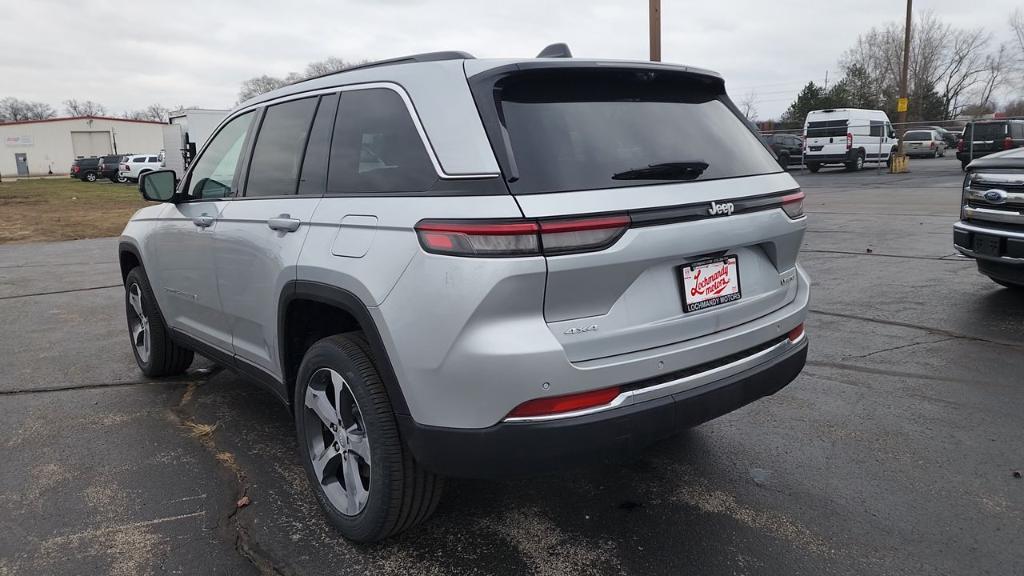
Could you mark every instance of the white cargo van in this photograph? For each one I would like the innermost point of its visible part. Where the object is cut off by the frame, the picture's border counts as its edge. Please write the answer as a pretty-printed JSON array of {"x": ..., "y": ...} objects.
[{"x": 848, "y": 136}]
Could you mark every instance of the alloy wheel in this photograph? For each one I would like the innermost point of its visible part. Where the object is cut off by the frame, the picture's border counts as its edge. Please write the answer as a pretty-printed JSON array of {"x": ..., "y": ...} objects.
[
  {"x": 336, "y": 441},
  {"x": 138, "y": 323}
]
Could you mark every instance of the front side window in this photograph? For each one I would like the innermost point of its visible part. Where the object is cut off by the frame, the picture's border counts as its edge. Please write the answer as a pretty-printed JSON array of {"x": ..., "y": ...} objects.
[
  {"x": 153, "y": 159},
  {"x": 277, "y": 156},
  {"x": 138, "y": 160},
  {"x": 214, "y": 172},
  {"x": 376, "y": 147}
]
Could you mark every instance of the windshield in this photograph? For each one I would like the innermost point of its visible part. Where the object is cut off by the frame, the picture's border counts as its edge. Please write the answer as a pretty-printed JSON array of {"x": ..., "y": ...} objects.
[
  {"x": 580, "y": 129},
  {"x": 992, "y": 131}
]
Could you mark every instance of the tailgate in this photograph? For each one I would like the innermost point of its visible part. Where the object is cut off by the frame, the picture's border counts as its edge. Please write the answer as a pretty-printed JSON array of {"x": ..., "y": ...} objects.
[{"x": 630, "y": 297}]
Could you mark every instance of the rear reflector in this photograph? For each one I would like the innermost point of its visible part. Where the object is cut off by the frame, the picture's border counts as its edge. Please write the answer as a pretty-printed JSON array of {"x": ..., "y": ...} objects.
[
  {"x": 793, "y": 204},
  {"x": 796, "y": 333},
  {"x": 563, "y": 404}
]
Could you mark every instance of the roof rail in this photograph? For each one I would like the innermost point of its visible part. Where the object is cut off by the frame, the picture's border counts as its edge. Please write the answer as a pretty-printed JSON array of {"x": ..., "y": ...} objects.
[
  {"x": 558, "y": 50},
  {"x": 425, "y": 57}
]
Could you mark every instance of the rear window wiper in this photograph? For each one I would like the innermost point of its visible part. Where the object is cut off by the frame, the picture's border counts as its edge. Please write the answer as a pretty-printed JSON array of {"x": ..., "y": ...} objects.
[{"x": 664, "y": 171}]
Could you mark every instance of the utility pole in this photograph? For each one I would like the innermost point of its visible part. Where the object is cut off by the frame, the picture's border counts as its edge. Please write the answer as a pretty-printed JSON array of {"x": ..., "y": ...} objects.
[
  {"x": 655, "y": 32},
  {"x": 903, "y": 104}
]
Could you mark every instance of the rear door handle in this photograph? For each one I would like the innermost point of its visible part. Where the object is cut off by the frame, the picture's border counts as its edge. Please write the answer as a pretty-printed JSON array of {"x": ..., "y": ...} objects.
[
  {"x": 204, "y": 221},
  {"x": 284, "y": 223}
]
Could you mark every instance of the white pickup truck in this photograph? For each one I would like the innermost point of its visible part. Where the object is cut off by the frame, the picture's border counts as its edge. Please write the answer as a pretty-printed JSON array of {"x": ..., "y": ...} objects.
[{"x": 134, "y": 166}]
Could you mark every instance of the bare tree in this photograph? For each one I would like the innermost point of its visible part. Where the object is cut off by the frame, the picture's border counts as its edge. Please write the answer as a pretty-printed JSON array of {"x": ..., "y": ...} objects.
[
  {"x": 748, "y": 106},
  {"x": 153, "y": 112},
  {"x": 326, "y": 66},
  {"x": 1016, "y": 59},
  {"x": 259, "y": 85},
  {"x": 966, "y": 67},
  {"x": 14, "y": 110},
  {"x": 83, "y": 108}
]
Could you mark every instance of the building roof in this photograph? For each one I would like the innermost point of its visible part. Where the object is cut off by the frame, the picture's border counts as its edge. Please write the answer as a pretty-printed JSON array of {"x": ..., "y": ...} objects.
[{"x": 108, "y": 118}]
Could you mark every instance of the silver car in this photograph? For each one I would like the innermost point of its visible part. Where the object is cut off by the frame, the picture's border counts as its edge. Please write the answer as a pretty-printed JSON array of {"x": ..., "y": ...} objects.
[
  {"x": 924, "y": 144},
  {"x": 476, "y": 268}
]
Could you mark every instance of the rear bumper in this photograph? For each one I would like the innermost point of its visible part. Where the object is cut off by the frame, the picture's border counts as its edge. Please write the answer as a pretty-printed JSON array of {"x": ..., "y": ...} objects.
[
  {"x": 523, "y": 448},
  {"x": 813, "y": 158}
]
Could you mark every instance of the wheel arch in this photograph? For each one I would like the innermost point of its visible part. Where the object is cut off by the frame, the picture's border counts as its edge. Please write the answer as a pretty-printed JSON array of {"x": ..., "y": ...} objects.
[
  {"x": 128, "y": 257},
  {"x": 346, "y": 303}
]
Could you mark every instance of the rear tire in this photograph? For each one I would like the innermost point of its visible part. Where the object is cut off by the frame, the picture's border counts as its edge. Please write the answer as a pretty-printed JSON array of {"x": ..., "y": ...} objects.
[
  {"x": 357, "y": 446},
  {"x": 154, "y": 351},
  {"x": 857, "y": 164},
  {"x": 90, "y": 176},
  {"x": 784, "y": 161},
  {"x": 813, "y": 166}
]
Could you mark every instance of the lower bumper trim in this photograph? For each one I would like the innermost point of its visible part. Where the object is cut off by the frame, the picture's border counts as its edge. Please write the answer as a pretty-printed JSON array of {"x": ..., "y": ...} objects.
[{"x": 524, "y": 448}]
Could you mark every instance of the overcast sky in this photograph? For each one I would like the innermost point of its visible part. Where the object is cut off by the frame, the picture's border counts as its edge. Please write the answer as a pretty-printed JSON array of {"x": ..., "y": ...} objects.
[{"x": 127, "y": 55}]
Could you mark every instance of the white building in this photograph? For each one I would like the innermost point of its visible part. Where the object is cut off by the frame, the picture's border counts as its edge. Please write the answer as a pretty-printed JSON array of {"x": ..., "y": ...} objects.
[{"x": 41, "y": 147}]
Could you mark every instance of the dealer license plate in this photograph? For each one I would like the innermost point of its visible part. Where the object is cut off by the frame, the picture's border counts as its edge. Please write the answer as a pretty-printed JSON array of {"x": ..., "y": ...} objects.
[{"x": 710, "y": 283}]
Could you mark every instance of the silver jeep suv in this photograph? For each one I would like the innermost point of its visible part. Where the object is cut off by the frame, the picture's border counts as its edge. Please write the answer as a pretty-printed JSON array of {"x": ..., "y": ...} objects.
[{"x": 457, "y": 267}]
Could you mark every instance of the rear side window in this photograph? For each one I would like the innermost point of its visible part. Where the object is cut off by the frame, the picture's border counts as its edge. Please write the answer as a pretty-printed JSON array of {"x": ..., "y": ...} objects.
[
  {"x": 1017, "y": 130},
  {"x": 318, "y": 151},
  {"x": 876, "y": 128},
  {"x": 581, "y": 129},
  {"x": 277, "y": 156},
  {"x": 153, "y": 159},
  {"x": 990, "y": 131},
  {"x": 376, "y": 147},
  {"x": 827, "y": 129}
]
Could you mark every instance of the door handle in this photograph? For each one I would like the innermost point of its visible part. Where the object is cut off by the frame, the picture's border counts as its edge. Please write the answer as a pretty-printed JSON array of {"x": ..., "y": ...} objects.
[
  {"x": 203, "y": 221},
  {"x": 284, "y": 223}
]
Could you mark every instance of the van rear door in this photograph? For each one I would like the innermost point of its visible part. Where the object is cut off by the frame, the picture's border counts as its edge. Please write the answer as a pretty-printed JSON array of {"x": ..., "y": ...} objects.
[{"x": 826, "y": 137}]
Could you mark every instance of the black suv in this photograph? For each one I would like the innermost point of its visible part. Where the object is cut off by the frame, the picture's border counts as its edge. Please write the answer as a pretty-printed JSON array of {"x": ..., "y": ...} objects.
[
  {"x": 108, "y": 168},
  {"x": 87, "y": 169},
  {"x": 987, "y": 137},
  {"x": 788, "y": 148}
]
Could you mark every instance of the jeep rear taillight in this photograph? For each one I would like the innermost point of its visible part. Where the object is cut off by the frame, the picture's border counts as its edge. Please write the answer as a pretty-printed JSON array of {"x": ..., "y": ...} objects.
[
  {"x": 511, "y": 238},
  {"x": 960, "y": 146},
  {"x": 849, "y": 140},
  {"x": 793, "y": 204},
  {"x": 1007, "y": 143}
]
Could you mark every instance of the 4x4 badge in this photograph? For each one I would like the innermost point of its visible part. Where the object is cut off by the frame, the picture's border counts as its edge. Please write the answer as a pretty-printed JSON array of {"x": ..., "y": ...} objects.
[{"x": 723, "y": 208}]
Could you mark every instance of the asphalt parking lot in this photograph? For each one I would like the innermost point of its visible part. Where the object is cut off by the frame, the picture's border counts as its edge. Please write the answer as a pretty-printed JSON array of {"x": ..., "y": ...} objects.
[{"x": 897, "y": 451}]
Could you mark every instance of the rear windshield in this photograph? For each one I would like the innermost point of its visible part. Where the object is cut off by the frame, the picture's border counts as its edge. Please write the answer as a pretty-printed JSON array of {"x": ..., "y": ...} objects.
[
  {"x": 992, "y": 131},
  {"x": 580, "y": 129},
  {"x": 827, "y": 129},
  {"x": 918, "y": 135}
]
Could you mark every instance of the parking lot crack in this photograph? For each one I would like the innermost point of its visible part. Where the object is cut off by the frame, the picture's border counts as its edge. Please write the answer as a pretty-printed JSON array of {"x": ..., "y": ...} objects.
[
  {"x": 929, "y": 329},
  {"x": 902, "y": 346},
  {"x": 14, "y": 296}
]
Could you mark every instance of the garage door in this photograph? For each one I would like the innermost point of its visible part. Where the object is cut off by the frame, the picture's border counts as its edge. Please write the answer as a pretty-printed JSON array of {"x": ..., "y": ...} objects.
[{"x": 90, "y": 143}]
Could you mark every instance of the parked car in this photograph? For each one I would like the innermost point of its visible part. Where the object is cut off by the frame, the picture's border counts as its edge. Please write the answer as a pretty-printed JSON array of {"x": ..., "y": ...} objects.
[
  {"x": 86, "y": 169},
  {"x": 983, "y": 138},
  {"x": 950, "y": 137},
  {"x": 923, "y": 143},
  {"x": 991, "y": 226},
  {"x": 132, "y": 167},
  {"x": 788, "y": 148},
  {"x": 847, "y": 136},
  {"x": 510, "y": 268},
  {"x": 109, "y": 167}
]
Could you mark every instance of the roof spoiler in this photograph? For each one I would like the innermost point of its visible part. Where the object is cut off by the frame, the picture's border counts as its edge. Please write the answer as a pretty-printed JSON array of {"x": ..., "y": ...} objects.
[{"x": 558, "y": 50}]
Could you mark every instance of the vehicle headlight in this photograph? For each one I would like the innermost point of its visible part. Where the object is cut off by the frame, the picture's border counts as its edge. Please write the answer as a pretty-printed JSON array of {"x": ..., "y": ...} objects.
[{"x": 964, "y": 195}]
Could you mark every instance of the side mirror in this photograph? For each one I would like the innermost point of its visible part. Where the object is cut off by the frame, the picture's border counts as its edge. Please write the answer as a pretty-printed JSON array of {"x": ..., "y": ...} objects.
[
  {"x": 892, "y": 133},
  {"x": 158, "y": 186}
]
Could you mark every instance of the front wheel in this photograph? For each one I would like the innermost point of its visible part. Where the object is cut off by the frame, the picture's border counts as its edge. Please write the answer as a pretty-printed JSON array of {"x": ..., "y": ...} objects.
[
  {"x": 363, "y": 476},
  {"x": 154, "y": 351},
  {"x": 784, "y": 161}
]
